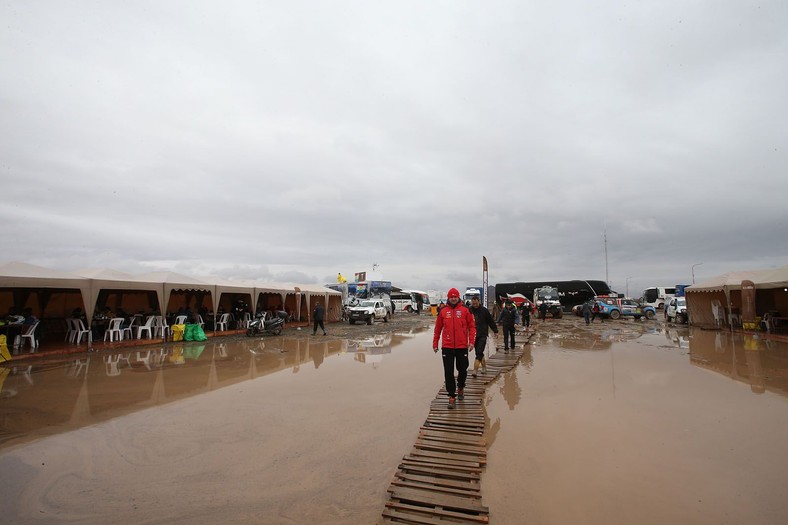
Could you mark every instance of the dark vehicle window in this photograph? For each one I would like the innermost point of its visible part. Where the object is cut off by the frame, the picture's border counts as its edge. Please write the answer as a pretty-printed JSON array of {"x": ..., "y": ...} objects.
[
  {"x": 670, "y": 291},
  {"x": 651, "y": 295}
]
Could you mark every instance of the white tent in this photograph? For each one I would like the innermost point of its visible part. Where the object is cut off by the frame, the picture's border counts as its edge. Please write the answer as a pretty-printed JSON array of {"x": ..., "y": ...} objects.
[
  {"x": 705, "y": 299},
  {"x": 19, "y": 275}
]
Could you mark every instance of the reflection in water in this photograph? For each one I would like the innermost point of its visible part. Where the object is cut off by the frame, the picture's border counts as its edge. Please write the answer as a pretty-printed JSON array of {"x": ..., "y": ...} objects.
[
  {"x": 57, "y": 394},
  {"x": 510, "y": 388},
  {"x": 761, "y": 363}
]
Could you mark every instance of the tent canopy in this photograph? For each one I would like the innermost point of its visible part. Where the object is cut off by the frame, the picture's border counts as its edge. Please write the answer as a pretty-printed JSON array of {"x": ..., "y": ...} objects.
[{"x": 763, "y": 279}]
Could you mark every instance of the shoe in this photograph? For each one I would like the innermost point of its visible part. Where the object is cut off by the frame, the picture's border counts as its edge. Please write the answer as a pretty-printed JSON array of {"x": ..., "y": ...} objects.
[
  {"x": 505, "y": 350},
  {"x": 460, "y": 394},
  {"x": 313, "y": 333},
  {"x": 324, "y": 333},
  {"x": 451, "y": 403},
  {"x": 473, "y": 374}
]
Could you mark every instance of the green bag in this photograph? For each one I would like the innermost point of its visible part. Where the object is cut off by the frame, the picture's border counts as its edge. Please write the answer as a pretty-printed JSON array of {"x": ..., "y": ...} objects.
[{"x": 194, "y": 332}]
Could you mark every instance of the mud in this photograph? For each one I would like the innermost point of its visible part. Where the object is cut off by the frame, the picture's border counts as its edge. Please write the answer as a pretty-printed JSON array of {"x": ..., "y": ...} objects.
[{"x": 616, "y": 422}]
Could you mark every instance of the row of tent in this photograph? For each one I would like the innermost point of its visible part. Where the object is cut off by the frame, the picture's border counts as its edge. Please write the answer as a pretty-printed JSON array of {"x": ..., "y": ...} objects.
[
  {"x": 719, "y": 300},
  {"x": 21, "y": 279}
]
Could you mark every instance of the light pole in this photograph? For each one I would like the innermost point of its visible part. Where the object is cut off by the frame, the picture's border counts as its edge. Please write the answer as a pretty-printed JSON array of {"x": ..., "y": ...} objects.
[
  {"x": 693, "y": 271},
  {"x": 628, "y": 278}
]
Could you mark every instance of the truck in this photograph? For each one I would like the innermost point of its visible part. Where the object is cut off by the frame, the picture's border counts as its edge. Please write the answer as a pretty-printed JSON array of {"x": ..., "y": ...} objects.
[
  {"x": 368, "y": 310},
  {"x": 471, "y": 292},
  {"x": 548, "y": 295}
]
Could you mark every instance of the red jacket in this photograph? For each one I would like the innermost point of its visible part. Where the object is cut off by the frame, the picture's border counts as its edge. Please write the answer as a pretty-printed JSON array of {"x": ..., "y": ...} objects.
[{"x": 455, "y": 327}]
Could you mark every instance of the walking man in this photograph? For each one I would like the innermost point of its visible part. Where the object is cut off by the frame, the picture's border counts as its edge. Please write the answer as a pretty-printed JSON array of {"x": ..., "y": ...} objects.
[
  {"x": 455, "y": 328},
  {"x": 484, "y": 320},
  {"x": 587, "y": 312},
  {"x": 525, "y": 314},
  {"x": 318, "y": 314},
  {"x": 507, "y": 319}
]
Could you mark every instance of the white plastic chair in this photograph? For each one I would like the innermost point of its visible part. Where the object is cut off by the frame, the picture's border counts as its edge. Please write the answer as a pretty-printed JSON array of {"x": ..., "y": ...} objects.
[
  {"x": 79, "y": 331},
  {"x": 200, "y": 321},
  {"x": 221, "y": 324},
  {"x": 114, "y": 331},
  {"x": 129, "y": 329},
  {"x": 70, "y": 332},
  {"x": 160, "y": 326},
  {"x": 243, "y": 322},
  {"x": 181, "y": 319},
  {"x": 718, "y": 312},
  {"x": 147, "y": 327},
  {"x": 31, "y": 334}
]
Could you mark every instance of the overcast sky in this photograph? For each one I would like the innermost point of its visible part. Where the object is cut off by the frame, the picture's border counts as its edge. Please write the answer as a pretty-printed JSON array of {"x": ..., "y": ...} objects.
[{"x": 289, "y": 141}]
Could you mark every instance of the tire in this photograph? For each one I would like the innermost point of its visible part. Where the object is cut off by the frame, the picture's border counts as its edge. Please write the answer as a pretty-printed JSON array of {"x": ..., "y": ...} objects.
[
  {"x": 615, "y": 314},
  {"x": 249, "y": 332},
  {"x": 407, "y": 309},
  {"x": 558, "y": 315},
  {"x": 637, "y": 317},
  {"x": 650, "y": 315},
  {"x": 277, "y": 330},
  {"x": 386, "y": 319},
  {"x": 371, "y": 319},
  {"x": 352, "y": 321},
  {"x": 679, "y": 319}
]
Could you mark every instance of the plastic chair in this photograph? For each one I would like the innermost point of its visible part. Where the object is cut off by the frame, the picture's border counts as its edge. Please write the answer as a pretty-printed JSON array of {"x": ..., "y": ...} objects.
[
  {"x": 160, "y": 326},
  {"x": 31, "y": 334},
  {"x": 129, "y": 328},
  {"x": 181, "y": 319},
  {"x": 221, "y": 324},
  {"x": 79, "y": 330},
  {"x": 243, "y": 322},
  {"x": 147, "y": 327},
  {"x": 70, "y": 332},
  {"x": 200, "y": 321},
  {"x": 114, "y": 331}
]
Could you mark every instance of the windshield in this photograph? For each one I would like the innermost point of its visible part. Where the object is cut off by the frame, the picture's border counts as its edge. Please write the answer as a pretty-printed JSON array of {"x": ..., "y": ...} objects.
[
  {"x": 368, "y": 303},
  {"x": 547, "y": 293},
  {"x": 681, "y": 302}
]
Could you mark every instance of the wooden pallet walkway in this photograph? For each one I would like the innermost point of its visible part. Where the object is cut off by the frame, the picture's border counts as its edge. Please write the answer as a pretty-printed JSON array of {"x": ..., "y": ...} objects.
[{"x": 439, "y": 481}]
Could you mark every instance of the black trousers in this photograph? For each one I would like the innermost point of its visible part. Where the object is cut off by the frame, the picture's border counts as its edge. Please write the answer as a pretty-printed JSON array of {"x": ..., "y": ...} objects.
[
  {"x": 508, "y": 335},
  {"x": 320, "y": 324},
  {"x": 479, "y": 345},
  {"x": 450, "y": 357}
]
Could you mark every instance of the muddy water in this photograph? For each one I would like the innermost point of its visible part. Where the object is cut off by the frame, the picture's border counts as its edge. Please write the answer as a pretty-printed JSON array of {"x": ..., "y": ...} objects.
[
  {"x": 621, "y": 422},
  {"x": 627, "y": 423},
  {"x": 294, "y": 430}
]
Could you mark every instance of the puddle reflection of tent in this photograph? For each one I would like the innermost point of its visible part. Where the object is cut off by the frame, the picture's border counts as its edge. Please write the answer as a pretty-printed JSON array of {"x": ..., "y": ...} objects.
[{"x": 112, "y": 393}]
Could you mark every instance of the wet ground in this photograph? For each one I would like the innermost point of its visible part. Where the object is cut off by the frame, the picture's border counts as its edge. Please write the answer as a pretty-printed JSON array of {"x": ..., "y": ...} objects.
[{"x": 619, "y": 422}]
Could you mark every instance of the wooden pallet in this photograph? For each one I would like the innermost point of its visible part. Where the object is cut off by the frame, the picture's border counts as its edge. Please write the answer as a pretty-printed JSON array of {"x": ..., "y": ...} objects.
[{"x": 439, "y": 481}]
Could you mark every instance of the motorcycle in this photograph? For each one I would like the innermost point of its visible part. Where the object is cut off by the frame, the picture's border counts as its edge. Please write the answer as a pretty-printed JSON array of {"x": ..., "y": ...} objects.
[{"x": 260, "y": 325}]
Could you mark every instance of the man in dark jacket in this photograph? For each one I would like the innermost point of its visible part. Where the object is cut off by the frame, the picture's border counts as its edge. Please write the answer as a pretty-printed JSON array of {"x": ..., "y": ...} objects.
[
  {"x": 318, "y": 314},
  {"x": 507, "y": 319},
  {"x": 484, "y": 320}
]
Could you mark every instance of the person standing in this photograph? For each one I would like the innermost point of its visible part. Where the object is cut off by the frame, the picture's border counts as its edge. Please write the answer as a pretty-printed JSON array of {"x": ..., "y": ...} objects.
[
  {"x": 455, "y": 328},
  {"x": 484, "y": 321},
  {"x": 318, "y": 314},
  {"x": 507, "y": 319},
  {"x": 587, "y": 312},
  {"x": 595, "y": 311},
  {"x": 543, "y": 311},
  {"x": 525, "y": 314}
]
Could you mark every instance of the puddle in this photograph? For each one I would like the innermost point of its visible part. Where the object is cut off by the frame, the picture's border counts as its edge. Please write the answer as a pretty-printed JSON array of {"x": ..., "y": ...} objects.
[{"x": 663, "y": 425}]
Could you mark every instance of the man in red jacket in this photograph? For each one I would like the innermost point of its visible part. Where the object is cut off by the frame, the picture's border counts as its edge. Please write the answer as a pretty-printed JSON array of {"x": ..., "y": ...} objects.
[{"x": 455, "y": 328}]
